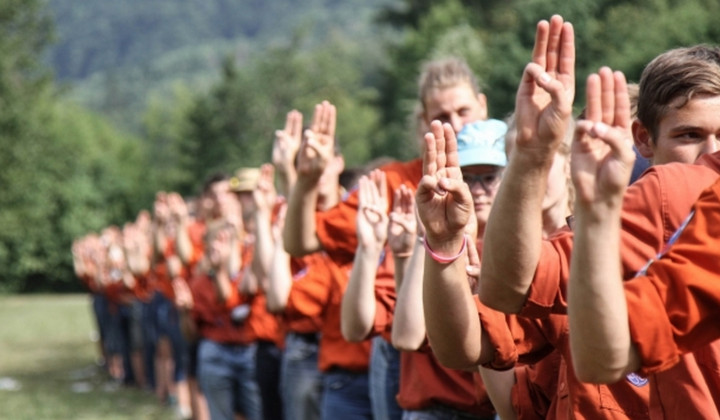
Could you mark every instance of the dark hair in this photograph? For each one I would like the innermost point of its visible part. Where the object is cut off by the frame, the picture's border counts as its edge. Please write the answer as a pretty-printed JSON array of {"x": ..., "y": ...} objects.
[
  {"x": 677, "y": 73},
  {"x": 214, "y": 179}
]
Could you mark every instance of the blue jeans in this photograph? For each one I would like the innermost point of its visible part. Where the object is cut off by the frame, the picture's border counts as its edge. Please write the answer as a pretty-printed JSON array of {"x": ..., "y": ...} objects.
[
  {"x": 168, "y": 325},
  {"x": 267, "y": 370},
  {"x": 226, "y": 374},
  {"x": 384, "y": 380},
  {"x": 441, "y": 413},
  {"x": 301, "y": 383},
  {"x": 346, "y": 396}
]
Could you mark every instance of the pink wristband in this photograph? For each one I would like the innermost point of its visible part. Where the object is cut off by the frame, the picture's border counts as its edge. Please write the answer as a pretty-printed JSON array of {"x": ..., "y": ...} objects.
[{"x": 446, "y": 260}]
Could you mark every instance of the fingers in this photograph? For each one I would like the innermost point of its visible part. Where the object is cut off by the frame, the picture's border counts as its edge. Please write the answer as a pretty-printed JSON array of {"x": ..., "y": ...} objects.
[
  {"x": 566, "y": 61},
  {"x": 452, "y": 160},
  {"x": 608, "y": 100},
  {"x": 324, "y": 119},
  {"x": 622, "y": 101},
  {"x": 429, "y": 155},
  {"x": 438, "y": 130},
  {"x": 553, "y": 43},
  {"x": 542, "y": 33}
]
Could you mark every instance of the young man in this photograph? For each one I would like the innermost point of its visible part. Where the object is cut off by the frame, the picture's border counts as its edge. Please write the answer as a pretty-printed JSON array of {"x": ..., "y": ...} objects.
[{"x": 677, "y": 120}]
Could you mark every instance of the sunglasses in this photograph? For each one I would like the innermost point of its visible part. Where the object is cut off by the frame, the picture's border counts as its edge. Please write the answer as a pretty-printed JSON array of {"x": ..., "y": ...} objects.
[{"x": 488, "y": 181}]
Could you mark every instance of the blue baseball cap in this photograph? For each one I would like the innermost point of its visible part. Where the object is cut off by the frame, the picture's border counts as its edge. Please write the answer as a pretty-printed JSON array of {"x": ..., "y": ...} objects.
[{"x": 482, "y": 143}]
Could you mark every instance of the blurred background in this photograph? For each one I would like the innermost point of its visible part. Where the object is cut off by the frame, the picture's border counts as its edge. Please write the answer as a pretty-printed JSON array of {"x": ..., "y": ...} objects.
[{"x": 104, "y": 103}]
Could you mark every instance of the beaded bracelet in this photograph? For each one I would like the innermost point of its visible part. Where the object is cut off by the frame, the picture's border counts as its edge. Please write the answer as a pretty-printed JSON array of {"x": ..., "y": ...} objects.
[{"x": 446, "y": 260}]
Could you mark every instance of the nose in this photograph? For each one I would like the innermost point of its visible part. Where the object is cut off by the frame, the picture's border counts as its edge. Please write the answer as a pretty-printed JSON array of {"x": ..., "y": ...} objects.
[
  {"x": 457, "y": 123},
  {"x": 712, "y": 144}
]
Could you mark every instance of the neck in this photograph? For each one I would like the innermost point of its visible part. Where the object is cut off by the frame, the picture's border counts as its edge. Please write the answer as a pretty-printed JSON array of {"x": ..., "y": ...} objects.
[{"x": 328, "y": 201}]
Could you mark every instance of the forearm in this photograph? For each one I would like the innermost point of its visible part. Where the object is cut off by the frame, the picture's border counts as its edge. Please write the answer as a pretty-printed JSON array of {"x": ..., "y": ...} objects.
[
  {"x": 513, "y": 235},
  {"x": 498, "y": 385},
  {"x": 223, "y": 285},
  {"x": 262, "y": 257},
  {"x": 183, "y": 243},
  {"x": 279, "y": 280},
  {"x": 299, "y": 231},
  {"x": 599, "y": 331},
  {"x": 451, "y": 316},
  {"x": 408, "y": 330},
  {"x": 358, "y": 302}
]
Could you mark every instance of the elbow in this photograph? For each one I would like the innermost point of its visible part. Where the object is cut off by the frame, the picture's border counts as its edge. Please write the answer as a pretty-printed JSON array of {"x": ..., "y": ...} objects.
[
  {"x": 275, "y": 307},
  {"x": 591, "y": 373},
  {"x": 454, "y": 360},
  {"x": 354, "y": 332},
  {"x": 503, "y": 298},
  {"x": 406, "y": 342}
]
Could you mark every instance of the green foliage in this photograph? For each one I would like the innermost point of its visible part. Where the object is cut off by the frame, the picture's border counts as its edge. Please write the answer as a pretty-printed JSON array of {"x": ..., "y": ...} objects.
[{"x": 233, "y": 125}]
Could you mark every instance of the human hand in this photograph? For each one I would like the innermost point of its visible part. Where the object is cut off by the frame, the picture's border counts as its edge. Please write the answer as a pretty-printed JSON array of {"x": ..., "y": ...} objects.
[
  {"x": 602, "y": 156},
  {"x": 402, "y": 230},
  {"x": 372, "y": 218},
  {"x": 265, "y": 195},
  {"x": 220, "y": 248},
  {"x": 318, "y": 145},
  {"x": 183, "y": 295},
  {"x": 177, "y": 207},
  {"x": 444, "y": 201},
  {"x": 287, "y": 143},
  {"x": 161, "y": 211},
  {"x": 545, "y": 96}
]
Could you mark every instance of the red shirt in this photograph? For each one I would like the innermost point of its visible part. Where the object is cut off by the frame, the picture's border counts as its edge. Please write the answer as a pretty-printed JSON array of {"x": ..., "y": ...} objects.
[
  {"x": 673, "y": 310},
  {"x": 335, "y": 351},
  {"x": 424, "y": 382},
  {"x": 653, "y": 208},
  {"x": 336, "y": 227},
  {"x": 309, "y": 293},
  {"x": 212, "y": 317}
]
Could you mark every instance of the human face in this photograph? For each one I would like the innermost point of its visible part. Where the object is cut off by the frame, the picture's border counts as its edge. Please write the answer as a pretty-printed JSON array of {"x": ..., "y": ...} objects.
[
  {"x": 684, "y": 134},
  {"x": 221, "y": 197},
  {"x": 483, "y": 181},
  {"x": 456, "y": 105}
]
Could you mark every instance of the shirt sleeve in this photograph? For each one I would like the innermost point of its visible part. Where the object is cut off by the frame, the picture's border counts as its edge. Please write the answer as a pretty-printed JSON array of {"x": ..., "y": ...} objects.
[{"x": 674, "y": 308}]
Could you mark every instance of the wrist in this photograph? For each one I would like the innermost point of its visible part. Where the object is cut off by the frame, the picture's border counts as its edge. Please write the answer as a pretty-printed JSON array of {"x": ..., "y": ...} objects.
[{"x": 443, "y": 258}]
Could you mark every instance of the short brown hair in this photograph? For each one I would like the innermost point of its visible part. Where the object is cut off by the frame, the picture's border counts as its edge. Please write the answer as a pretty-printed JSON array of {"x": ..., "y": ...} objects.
[
  {"x": 445, "y": 73},
  {"x": 677, "y": 73}
]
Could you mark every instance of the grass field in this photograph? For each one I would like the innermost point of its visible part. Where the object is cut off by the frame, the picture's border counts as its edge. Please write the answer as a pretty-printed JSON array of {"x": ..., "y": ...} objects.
[{"x": 47, "y": 365}]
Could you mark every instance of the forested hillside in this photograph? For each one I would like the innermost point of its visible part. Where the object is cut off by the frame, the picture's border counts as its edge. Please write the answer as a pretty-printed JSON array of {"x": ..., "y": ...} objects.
[
  {"x": 116, "y": 54},
  {"x": 155, "y": 95}
]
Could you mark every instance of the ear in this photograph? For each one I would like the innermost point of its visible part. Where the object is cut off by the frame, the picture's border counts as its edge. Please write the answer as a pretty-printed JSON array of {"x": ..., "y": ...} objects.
[
  {"x": 642, "y": 139},
  {"x": 340, "y": 162},
  {"x": 482, "y": 100}
]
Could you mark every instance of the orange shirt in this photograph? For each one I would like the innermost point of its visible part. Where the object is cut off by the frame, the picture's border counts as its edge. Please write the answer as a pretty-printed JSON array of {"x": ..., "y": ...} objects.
[
  {"x": 653, "y": 208},
  {"x": 673, "y": 310},
  {"x": 424, "y": 382},
  {"x": 161, "y": 275},
  {"x": 213, "y": 317},
  {"x": 334, "y": 351},
  {"x": 264, "y": 325},
  {"x": 309, "y": 293},
  {"x": 336, "y": 227}
]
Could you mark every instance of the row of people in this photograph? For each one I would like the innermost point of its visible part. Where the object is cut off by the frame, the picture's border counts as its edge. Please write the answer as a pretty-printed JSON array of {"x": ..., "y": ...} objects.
[{"x": 372, "y": 303}]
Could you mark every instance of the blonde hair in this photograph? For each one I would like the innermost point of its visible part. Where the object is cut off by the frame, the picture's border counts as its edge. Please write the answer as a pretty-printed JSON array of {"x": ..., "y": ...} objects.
[{"x": 445, "y": 73}]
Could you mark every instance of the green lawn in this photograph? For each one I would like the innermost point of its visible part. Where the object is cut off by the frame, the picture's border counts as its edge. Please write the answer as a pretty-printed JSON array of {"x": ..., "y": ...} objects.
[{"x": 47, "y": 365}]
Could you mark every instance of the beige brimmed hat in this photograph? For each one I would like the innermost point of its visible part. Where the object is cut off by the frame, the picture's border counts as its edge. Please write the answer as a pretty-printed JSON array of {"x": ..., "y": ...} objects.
[{"x": 245, "y": 179}]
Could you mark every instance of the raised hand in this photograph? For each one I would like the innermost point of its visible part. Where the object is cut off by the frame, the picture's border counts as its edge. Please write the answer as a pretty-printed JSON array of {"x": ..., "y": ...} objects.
[
  {"x": 161, "y": 210},
  {"x": 319, "y": 142},
  {"x": 176, "y": 207},
  {"x": 602, "y": 155},
  {"x": 183, "y": 296},
  {"x": 220, "y": 248},
  {"x": 403, "y": 227},
  {"x": 372, "y": 218},
  {"x": 545, "y": 96},
  {"x": 444, "y": 201},
  {"x": 264, "y": 195},
  {"x": 287, "y": 143}
]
